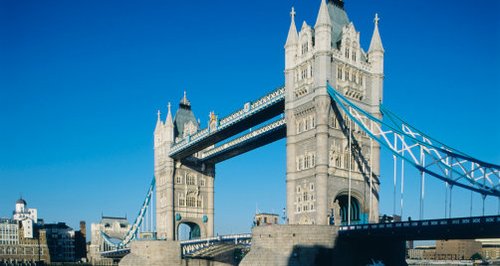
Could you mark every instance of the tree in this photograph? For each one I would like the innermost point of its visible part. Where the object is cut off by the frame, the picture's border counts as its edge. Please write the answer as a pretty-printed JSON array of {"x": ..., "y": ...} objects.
[{"x": 476, "y": 256}]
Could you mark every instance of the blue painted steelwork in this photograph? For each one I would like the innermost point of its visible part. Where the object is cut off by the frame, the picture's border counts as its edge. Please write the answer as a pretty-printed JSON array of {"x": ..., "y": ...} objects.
[
  {"x": 449, "y": 165},
  {"x": 134, "y": 229},
  {"x": 189, "y": 247},
  {"x": 265, "y": 108},
  {"x": 256, "y": 138},
  {"x": 451, "y": 228}
]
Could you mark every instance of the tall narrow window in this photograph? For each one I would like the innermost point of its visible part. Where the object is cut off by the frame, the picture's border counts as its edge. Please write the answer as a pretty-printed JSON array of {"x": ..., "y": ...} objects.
[{"x": 347, "y": 52}]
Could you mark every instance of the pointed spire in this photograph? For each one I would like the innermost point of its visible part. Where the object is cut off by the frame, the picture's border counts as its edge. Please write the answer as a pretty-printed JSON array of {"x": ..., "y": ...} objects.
[
  {"x": 158, "y": 121},
  {"x": 185, "y": 101},
  {"x": 293, "y": 36},
  {"x": 323, "y": 16},
  {"x": 376, "y": 42},
  {"x": 168, "y": 121}
]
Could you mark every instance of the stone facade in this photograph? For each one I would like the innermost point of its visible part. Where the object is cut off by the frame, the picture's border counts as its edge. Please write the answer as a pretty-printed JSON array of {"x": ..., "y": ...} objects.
[
  {"x": 184, "y": 189},
  {"x": 320, "y": 158},
  {"x": 153, "y": 253},
  {"x": 16, "y": 248},
  {"x": 456, "y": 249},
  {"x": 291, "y": 245}
]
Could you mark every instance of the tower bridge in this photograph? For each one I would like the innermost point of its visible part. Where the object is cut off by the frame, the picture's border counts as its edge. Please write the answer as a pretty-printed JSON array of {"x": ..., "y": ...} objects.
[{"x": 330, "y": 111}]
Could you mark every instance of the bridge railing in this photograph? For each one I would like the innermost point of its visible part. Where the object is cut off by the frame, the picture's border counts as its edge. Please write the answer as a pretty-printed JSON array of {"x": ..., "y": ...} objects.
[
  {"x": 424, "y": 223},
  {"x": 263, "y": 130},
  {"x": 189, "y": 247},
  {"x": 248, "y": 109}
]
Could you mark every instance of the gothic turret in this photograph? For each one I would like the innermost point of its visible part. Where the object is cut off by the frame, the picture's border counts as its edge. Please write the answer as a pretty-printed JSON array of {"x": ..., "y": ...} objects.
[
  {"x": 169, "y": 125},
  {"x": 323, "y": 28},
  {"x": 376, "y": 51},
  {"x": 184, "y": 122},
  {"x": 291, "y": 42},
  {"x": 159, "y": 124}
]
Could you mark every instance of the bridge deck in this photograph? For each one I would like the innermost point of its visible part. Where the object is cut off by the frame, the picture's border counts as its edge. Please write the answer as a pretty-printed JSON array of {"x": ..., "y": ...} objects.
[
  {"x": 439, "y": 229},
  {"x": 260, "y": 111}
]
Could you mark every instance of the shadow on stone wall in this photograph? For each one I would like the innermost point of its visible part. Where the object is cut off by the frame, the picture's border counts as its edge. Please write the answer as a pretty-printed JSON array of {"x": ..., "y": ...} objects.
[{"x": 351, "y": 252}]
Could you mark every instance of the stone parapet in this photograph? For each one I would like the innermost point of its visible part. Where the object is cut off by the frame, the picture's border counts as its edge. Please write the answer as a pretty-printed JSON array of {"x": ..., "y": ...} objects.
[
  {"x": 291, "y": 245},
  {"x": 153, "y": 253}
]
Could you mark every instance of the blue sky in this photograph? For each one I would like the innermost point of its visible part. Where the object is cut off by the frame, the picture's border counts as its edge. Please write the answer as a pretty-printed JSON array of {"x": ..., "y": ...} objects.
[{"x": 81, "y": 81}]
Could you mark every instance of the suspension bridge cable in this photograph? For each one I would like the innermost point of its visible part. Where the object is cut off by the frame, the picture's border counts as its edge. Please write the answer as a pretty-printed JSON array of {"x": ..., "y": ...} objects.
[{"x": 436, "y": 153}]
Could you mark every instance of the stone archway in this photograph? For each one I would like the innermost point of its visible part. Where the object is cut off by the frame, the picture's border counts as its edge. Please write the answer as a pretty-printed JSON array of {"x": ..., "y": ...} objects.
[
  {"x": 343, "y": 205},
  {"x": 188, "y": 230}
]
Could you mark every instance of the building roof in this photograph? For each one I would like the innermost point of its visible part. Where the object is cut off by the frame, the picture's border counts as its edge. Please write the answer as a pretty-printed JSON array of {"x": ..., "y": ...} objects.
[
  {"x": 184, "y": 115},
  {"x": 338, "y": 18},
  {"x": 21, "y": 201}
]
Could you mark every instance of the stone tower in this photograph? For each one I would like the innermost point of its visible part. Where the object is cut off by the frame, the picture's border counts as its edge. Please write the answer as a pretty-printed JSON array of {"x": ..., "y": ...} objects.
[
  {"x": 320, "y": 157},
  {"x": 184, "y": 188}
]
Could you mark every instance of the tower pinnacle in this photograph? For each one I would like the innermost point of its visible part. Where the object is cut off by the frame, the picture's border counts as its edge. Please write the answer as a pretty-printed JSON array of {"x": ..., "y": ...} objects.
[
  {"x": 376, "y": 42},
  {"x": 168, "y": 120},
  {"x": 293, "y": 36},
  {"x": 323, "y": 18}
]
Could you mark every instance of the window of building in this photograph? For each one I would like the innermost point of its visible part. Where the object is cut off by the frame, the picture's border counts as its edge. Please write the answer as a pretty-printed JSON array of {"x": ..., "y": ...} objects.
[
  {"x": 339, "y": 73},
  {"x": 313, "y": 121},
  {"x": 200, "y": 202},
  {"x": 191, "y": 202},
  {"x": 202, "y": 182},
  {"x": 191, "y": 180},
  {"x": 305, "y": 196},
  {"x": 182, "y": 201},
  {"x": 347, "y": 52},
  {"x": 178, "y": 180},
  {"x": 311, "y": 187},
  {"x": 354, "y": 56}
]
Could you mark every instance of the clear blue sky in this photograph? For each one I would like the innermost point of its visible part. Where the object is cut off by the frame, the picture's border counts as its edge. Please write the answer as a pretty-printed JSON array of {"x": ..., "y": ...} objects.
[{"x": 81, "y": 81}]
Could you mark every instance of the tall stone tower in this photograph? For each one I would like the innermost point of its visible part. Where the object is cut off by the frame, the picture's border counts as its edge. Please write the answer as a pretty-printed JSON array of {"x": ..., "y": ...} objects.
[
  {"x": 184, "y": 188},
  {"x": 322, "y": 160}
]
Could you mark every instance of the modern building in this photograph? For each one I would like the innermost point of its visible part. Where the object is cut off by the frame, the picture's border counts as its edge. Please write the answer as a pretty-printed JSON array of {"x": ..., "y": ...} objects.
[
  {"x": 61, "y": 242},
  {"x": 81, "y": 242}
]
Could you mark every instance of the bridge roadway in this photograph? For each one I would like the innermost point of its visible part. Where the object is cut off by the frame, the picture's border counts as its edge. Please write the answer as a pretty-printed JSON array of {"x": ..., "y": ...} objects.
[
  {"x": 257, "y": 138},
  {"x": 436, "y": 229},
  {"x": 251, "y": 115}
]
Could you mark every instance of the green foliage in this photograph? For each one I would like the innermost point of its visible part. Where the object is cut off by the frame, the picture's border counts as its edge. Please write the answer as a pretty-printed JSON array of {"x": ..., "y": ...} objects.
[{"x": 476, "y": 256}]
